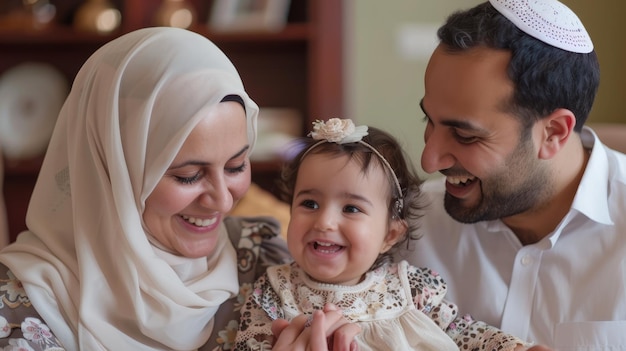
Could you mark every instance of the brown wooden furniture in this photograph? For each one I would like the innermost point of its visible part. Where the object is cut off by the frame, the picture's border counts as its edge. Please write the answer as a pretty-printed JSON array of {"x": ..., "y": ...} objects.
[{"x": 299, "y": 67}]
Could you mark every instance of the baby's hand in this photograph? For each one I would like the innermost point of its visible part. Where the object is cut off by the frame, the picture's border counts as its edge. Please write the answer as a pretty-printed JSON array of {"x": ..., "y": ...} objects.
[
  {"x": 325, "y": 330},
  {"x": 343, "y": 332}
]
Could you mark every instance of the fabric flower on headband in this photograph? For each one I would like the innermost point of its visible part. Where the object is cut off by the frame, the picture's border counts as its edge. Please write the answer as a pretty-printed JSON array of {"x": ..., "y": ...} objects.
[
  {"x": 343, "y": 131},
  {"x": 337, "y": 130}
]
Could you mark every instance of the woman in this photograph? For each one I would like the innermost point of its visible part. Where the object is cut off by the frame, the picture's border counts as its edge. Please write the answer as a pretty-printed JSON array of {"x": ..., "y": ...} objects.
[{"x": 128, "y": 246}]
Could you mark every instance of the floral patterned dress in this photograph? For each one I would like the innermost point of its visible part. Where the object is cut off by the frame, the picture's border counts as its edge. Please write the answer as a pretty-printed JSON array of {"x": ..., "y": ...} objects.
[
  {"x": 258, "y": 246},
  {"x": 398, "y": 306}
]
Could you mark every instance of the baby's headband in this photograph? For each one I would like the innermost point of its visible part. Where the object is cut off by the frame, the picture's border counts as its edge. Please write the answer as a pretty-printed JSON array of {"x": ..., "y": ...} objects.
[
  {"x": 343, "y": 131},
  {"x": 549, "y": 21}
]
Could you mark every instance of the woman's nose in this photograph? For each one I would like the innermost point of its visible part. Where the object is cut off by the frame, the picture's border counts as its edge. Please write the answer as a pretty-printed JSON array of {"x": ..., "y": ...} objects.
[
  {"x": 438, "y": 153},
  {"x": 217, "y": 196}
]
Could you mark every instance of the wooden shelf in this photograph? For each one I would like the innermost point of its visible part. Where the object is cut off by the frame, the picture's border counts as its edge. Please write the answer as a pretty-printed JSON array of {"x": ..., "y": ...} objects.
[
  {"x": 51, "y": 36},
  {"x": 63, "y": 35},
  {"x": 298, "y": 67},
  {"x": 296, "y": 32}
]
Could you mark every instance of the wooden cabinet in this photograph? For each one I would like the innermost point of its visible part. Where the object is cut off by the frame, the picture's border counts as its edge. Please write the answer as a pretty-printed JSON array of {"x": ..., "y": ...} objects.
[{"x": 299, "y": 67}]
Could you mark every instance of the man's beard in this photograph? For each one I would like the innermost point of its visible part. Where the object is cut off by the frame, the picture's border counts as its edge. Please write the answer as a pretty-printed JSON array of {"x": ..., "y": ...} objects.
[{"x": 521, "y": 184}]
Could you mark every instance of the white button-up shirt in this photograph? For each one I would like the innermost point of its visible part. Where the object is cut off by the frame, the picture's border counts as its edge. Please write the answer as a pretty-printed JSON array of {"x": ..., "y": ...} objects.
[{"x": 567, "y": 291}]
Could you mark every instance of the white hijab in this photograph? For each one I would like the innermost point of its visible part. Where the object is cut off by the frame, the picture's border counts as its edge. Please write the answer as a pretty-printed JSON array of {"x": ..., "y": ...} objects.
[{"x": 86, "y": 261}]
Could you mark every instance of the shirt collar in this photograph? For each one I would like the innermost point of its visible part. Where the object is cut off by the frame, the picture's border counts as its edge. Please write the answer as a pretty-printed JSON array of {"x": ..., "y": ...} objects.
[{"x": 591, "y": 197}]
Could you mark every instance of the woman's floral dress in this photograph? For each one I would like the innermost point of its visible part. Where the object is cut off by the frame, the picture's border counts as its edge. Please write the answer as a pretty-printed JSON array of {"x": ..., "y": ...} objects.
[{"x": 258, "y": 246}]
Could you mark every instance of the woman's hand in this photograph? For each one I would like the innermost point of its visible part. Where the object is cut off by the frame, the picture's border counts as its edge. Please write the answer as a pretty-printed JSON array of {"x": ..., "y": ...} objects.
[{"x": 328, "y": 330}]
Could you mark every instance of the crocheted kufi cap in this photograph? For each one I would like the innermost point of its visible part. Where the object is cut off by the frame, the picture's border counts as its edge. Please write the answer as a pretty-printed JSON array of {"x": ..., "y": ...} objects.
[{"x": 547, "y": 20}]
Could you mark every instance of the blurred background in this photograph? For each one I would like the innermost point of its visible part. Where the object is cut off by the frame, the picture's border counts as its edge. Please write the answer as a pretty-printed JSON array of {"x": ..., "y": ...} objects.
[
  {"x": 301, "y": 60},
  {"x": 388, "y": 44}
]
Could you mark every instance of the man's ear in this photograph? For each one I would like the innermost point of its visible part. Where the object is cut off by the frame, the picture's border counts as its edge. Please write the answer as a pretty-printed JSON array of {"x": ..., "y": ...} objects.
[
  {"x": 556, "y": 130},
  {"x": 397, "y": 230}
]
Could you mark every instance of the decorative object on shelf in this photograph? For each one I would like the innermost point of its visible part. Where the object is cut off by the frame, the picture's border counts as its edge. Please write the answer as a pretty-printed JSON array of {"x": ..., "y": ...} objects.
[
  {"x": 248, "y": 15},
  {"x": 277, "y": 128},
  {"x": 316, "y": 49},
  {"x": 175, "y": 13},
  {"x": 30, "y": 15},
  {"x": 97, "y": 16},
  {"x": 31, "y": 96}
]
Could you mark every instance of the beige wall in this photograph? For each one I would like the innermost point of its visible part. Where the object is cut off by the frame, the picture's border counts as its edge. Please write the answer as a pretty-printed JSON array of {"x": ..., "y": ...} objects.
[
  {"x": 604, "y": 20},
  {"x": 384, "y": 84}
]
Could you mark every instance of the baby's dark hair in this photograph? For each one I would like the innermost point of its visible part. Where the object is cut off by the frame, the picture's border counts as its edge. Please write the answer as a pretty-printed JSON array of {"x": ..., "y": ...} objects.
[{"x": 390, "y": 149}]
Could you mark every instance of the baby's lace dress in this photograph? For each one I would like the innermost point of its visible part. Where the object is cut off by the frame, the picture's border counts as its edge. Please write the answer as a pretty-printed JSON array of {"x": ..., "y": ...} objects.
[{"x": 399, "y": 307}]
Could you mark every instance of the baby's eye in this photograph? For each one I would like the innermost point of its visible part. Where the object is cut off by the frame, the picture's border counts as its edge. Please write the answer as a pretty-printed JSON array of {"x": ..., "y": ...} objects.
[
  {"x": 189, "y": 180},
  {"x": 310, "y": 204},
  {"x": 351, "y": 209}
]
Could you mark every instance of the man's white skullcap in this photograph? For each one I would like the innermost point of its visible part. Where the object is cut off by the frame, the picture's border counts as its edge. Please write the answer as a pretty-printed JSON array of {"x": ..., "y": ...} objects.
[{"x": 547, "y": 20}]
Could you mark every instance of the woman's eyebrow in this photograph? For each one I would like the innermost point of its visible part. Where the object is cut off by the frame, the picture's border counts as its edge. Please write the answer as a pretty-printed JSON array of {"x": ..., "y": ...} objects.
[
  {"x": 204, "y": 163},
  {"x": 241, "y": 152}
]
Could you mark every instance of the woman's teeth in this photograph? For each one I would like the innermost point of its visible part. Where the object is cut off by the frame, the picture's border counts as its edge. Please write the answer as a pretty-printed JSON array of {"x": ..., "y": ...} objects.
[
  {"x": 459, "y": 180},
  {"x": 200, "y": 222}
]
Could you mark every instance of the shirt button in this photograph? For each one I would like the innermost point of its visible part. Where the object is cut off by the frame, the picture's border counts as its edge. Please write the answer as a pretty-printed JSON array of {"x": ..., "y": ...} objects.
[{"x": 526, "y": 260}]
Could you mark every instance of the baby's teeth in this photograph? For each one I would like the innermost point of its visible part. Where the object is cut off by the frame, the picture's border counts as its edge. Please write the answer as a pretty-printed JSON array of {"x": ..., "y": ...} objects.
[{"x": 323, "y": 244}]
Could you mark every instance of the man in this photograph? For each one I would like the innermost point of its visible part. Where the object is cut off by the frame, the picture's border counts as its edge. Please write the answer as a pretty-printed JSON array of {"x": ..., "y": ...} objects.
[{"x": 528, "y": 226}]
